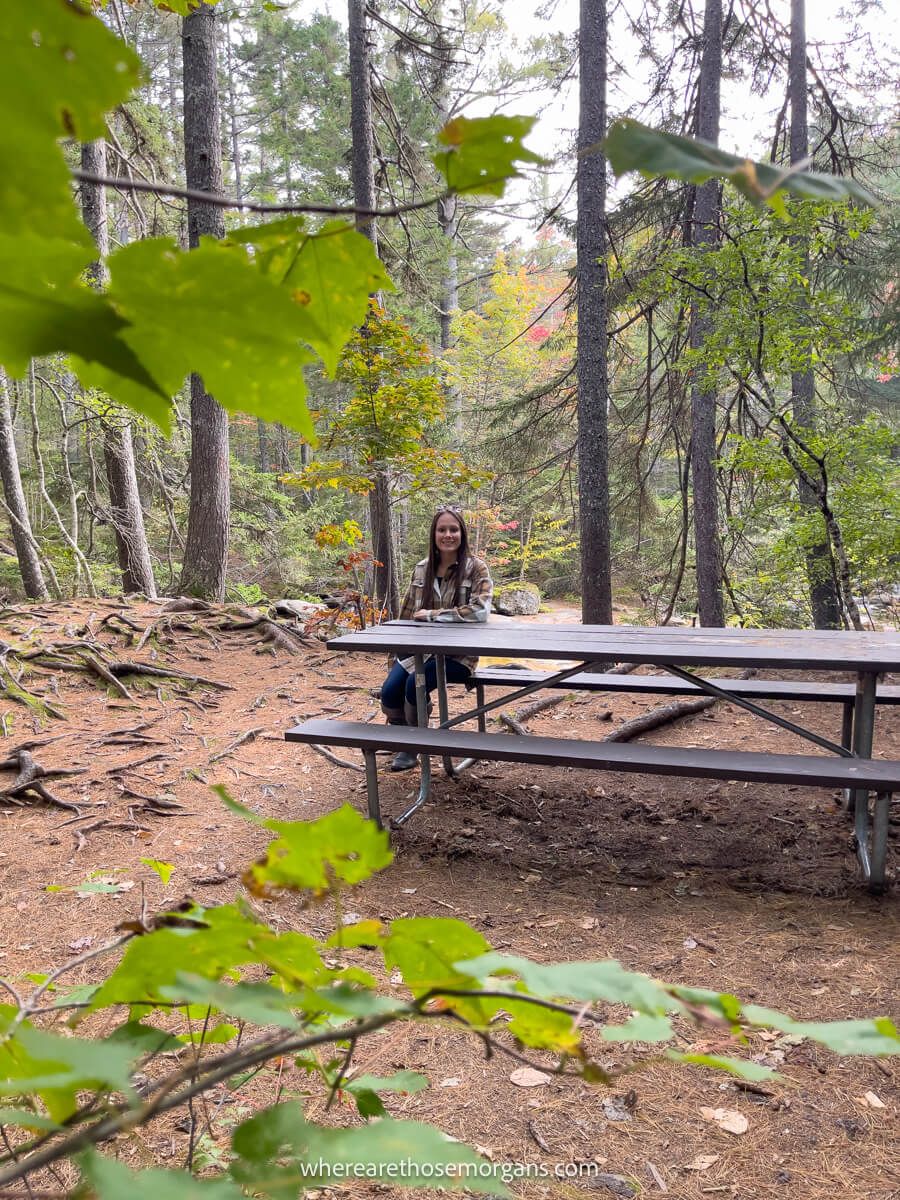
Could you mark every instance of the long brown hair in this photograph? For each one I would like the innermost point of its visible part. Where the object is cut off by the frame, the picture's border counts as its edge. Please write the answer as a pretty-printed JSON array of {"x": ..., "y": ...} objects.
[{"x": 434, "y": 555}]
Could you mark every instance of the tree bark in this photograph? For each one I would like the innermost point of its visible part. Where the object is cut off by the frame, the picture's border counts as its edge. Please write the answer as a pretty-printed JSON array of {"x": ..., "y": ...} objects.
[
  {"x": 232, "y": 111},
  {"x": 705, "y": 235},
  {"x": 206, "y": 547},
  {"x": 363, "y": 157},
  {"x": 263, "y": 445},
  {"x": 126, "y": 513},
  {"x": 385, "y": 585},
  {"x": 592, "y": 299},
  {"x": 820, "y": 568},
  {"x": 17, "y": 509}
]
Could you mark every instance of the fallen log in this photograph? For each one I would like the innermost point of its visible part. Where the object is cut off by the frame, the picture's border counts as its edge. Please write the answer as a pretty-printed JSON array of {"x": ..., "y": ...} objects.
[{"x": 665, "y": 714}]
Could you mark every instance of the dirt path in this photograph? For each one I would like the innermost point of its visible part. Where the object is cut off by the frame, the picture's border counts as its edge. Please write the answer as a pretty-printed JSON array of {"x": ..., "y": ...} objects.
[{"x": 742, "y": 887}]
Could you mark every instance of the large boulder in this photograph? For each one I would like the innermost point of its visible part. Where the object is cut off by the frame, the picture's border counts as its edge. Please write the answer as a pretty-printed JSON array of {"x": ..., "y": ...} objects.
[
  {"x": 517, "y": 599},
  {"x": 302, "y": 609}
]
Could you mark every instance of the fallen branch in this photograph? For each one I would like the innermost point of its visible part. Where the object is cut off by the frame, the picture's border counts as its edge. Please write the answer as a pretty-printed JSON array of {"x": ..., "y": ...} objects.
[
  {"x": 536, "y": 706},
  {"x": 333, "y": 758},
  {"x": 515, "y": 721},
  {"x": 666, "y": 714}
]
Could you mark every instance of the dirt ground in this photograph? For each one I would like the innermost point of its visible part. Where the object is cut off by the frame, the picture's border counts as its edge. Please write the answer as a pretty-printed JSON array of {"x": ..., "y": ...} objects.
[{"x": 747, "y": 888}]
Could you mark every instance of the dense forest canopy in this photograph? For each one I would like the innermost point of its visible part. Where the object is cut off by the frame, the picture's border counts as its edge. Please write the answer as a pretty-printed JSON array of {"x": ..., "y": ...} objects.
[{"x": 658, "y": 390}]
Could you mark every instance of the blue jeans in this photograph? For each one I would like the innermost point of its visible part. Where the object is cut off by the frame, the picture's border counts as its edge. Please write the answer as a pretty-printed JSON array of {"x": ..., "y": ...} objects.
[{"x": 399, "y": 688}]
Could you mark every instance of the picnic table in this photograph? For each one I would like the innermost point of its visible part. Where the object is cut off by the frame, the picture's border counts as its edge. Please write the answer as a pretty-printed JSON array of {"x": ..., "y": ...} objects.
[{"x": 680, "y": 653}]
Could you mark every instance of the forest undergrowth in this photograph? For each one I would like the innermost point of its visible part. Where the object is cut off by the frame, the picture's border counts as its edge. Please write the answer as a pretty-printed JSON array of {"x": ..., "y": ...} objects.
[{"x": 719, "y": 885}]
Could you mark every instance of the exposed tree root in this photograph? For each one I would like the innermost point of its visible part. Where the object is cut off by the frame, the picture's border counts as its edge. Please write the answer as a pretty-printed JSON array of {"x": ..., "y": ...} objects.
[
  {"x": 249, "y": 736},
  {"x": 333, "y": 758},
  {"x": 512, "y": 724},
  {"x": 29, "y": 784},
  {"x": 139, "y": 668}
]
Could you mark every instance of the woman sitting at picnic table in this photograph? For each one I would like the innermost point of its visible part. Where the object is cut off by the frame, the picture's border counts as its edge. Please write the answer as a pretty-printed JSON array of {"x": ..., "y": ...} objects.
[{"x": 450, "y": 585}]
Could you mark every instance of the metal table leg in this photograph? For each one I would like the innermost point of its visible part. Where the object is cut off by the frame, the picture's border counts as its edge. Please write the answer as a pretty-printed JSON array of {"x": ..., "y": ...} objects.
[
  {"x": 424, "y": 759},
  {"x": 847, "y": 743},
  {"x": 880, "y": 823},
  {"x": 372, "y": 787},
  {"x": 440, "y": 663},
  {"x": 863, "y": 727},
  {"x": 479, "y": 696}
]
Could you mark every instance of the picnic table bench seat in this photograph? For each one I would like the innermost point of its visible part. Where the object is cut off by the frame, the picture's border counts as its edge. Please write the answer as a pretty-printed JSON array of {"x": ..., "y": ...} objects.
[
  {"x": 880, "y": 776},
  {"x": 805, "y": 691},
  {"x": 757, "y": 689}
]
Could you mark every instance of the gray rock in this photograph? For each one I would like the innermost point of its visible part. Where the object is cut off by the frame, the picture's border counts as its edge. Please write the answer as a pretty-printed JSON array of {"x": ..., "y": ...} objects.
[
  {"x": 296, "y": 608},
  {"x": 517, "y": 600}
]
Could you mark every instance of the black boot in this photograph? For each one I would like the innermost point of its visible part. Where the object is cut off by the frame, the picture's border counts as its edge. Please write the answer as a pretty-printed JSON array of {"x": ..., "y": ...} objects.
[{"x": 402, "y": 760}]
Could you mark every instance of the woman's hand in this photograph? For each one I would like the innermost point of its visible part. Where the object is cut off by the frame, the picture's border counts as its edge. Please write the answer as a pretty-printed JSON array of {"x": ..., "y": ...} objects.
[{"x": 421, "y": 615}]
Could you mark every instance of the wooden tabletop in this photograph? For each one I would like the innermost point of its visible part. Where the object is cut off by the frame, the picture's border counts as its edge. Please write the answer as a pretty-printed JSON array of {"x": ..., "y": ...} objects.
[{"x": 797, "y": 649}]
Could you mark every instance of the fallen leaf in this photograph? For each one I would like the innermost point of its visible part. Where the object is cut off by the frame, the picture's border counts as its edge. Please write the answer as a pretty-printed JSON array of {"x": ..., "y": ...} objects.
[
  {"x": 702, "y": 1163},
  {"x": 726, "y": 1118},
  {"x": 528, "y": 1077}
]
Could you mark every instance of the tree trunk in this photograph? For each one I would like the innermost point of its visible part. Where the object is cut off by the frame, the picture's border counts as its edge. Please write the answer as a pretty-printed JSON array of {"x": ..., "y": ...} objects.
[
  {"x": 592, "y": 296},
  {"x": 17, "y": 510},
  {"x": 385, "y": 585},
  {"x": 386, "y": 589},
  {"x": 446, "y": 209},
  {"x": 705, "y": 234},
  {"x": 126, "y": 513},
  {"x": 263, "y": 445},
  {"x": 206, "y": 547},
  {"x": 363, "y": 158},
  {"x": 820, "y": 568},
  {"x": 232, "y": 112}
]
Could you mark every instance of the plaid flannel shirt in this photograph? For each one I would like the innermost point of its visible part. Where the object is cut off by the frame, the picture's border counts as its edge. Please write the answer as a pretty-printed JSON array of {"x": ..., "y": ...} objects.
[{"x": 475, "y": 596}]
